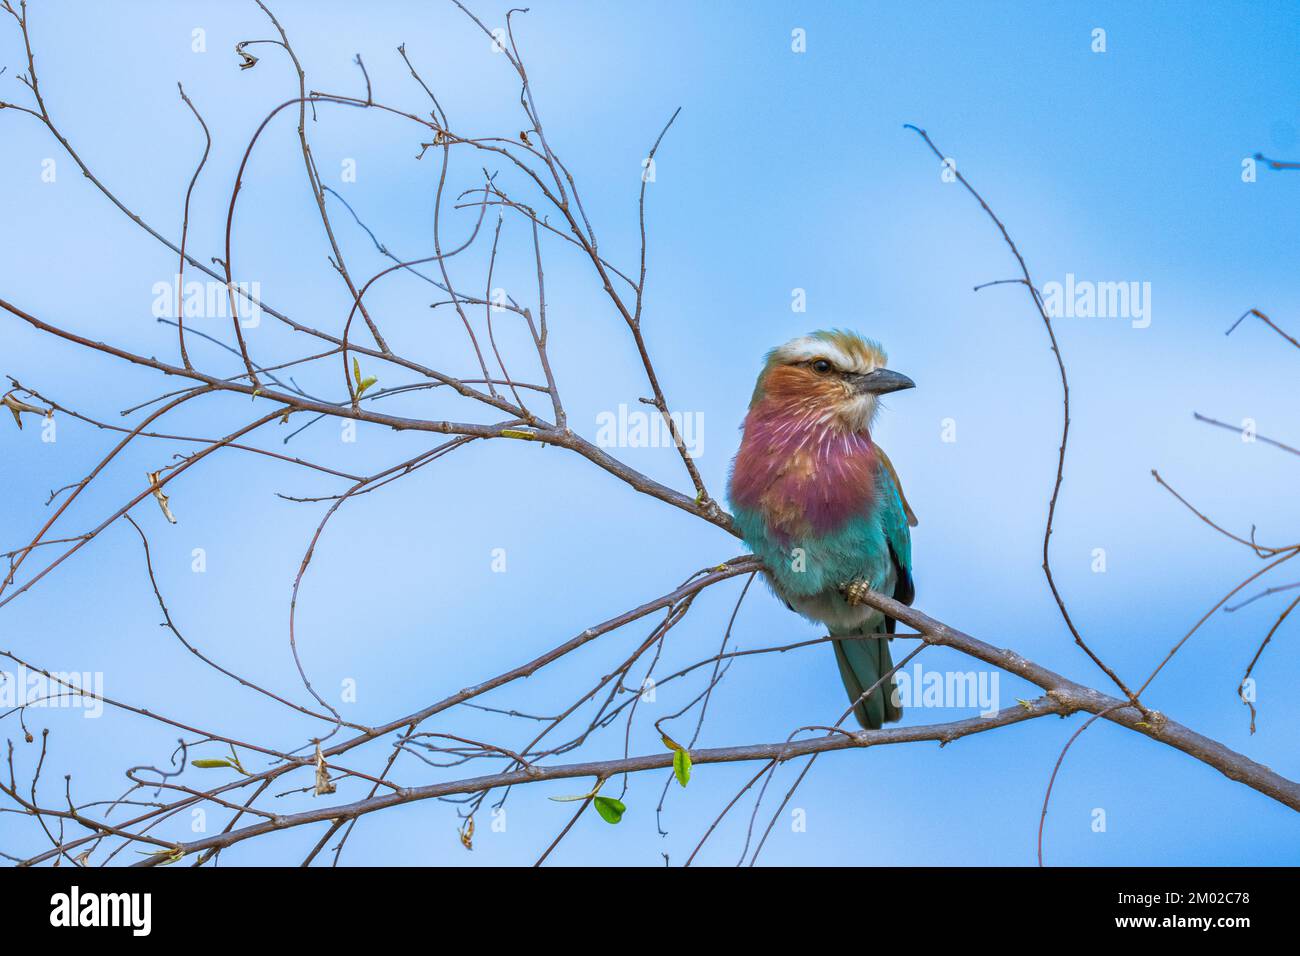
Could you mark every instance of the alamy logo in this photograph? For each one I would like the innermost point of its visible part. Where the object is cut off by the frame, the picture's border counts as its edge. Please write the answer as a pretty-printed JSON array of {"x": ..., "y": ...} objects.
[
  {"x": 208, "y": 300},
  {"x": 647, "y": 429},
  {"x": 930, "y": 688},
  {"x": 103, "y": 909},
  {"x": 1085, "y": 299},
  {"x": 73, "y": 689}
]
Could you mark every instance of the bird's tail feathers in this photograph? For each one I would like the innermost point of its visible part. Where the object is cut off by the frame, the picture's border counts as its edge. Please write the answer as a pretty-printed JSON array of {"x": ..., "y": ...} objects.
[{"x": 862, "y": 662}]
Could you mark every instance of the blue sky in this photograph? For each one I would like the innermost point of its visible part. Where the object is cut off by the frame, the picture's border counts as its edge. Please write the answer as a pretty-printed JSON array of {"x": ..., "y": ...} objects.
[{"x": 784, "y": 171}]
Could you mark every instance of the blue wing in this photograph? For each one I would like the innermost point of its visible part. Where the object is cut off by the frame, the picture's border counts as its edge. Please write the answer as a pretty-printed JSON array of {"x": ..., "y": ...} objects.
[{"x": 895, "y": 520}]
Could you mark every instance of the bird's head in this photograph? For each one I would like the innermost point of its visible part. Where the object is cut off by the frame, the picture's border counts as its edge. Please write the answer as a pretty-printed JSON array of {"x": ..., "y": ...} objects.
[{"x": 827, "y": 378}]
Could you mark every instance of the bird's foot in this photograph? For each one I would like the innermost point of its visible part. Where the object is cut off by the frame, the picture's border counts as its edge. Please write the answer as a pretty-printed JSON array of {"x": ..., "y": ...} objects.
[{"x": 855, "y": 592}]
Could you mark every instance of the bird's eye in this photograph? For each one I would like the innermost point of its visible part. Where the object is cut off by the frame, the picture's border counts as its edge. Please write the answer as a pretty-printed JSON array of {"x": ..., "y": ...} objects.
[{"x": 821, "y": 366}]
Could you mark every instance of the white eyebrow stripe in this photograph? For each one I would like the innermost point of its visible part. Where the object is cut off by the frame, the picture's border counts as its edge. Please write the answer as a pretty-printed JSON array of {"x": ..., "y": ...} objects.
[{"x": 808, "y": 347}]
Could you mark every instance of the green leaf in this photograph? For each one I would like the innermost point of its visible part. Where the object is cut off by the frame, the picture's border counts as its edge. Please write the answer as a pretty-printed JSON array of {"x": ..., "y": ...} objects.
[
  {"x": 610, "y": 810},
  {"x": 169, "y": 855},
  {"x": 682, "y": 766},
  {"x": 365, "y": 384},
  {"x": 356, "y": 370},
  {"x": 211, "y": 764}
]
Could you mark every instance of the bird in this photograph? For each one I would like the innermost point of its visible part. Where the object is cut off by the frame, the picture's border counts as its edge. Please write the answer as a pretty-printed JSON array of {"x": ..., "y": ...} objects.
[{"x": 820, "y": 504}]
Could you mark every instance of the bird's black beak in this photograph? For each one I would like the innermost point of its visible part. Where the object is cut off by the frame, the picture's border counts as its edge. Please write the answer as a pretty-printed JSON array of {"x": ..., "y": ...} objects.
[{"x": 881, "y": 381}]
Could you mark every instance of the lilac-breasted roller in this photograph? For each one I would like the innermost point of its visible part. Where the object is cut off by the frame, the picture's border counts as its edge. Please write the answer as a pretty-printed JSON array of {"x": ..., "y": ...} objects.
[{"x": 820, "y": 504}]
